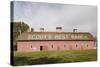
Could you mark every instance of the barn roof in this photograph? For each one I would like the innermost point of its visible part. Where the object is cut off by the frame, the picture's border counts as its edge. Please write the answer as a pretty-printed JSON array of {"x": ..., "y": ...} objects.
[{"x": 55, "y": 36}]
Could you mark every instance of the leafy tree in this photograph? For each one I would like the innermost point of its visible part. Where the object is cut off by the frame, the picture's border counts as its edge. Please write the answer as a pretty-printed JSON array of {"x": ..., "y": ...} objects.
[{"x": 18, "y": 28}]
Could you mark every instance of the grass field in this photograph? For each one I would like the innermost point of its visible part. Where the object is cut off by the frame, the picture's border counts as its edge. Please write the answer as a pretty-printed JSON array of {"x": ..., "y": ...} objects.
[{"x": 32, "y": 58}]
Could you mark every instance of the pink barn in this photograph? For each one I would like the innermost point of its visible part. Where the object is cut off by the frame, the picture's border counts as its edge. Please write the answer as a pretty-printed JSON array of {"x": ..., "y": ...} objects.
[{"x": 54, "y": 41}]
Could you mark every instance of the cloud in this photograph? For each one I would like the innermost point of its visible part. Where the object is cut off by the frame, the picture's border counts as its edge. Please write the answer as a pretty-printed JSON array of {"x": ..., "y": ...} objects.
[{"x": 50, "y": 15}]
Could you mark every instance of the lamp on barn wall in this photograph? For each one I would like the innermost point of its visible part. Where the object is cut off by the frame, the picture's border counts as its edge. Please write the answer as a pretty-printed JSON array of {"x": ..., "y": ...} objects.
[{"x": 58, "y": 29}]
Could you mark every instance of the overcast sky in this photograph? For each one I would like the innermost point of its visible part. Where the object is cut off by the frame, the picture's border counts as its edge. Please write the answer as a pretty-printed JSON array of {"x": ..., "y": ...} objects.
[{"x": 50, "y": 16}]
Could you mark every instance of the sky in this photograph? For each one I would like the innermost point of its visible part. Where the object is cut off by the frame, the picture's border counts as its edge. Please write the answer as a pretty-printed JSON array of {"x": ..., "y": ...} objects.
[{"x": 52, "y": 15}]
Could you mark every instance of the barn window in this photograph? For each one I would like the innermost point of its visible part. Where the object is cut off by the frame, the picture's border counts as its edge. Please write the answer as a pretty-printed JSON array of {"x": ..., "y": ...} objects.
[
  {"x": 87, "y": 45},
  {"x": 52, "y": 46},
  {"x": 76, "y": 45},
  {"x": 31, "y": 46},
  {"x": 64, "y": 45}
]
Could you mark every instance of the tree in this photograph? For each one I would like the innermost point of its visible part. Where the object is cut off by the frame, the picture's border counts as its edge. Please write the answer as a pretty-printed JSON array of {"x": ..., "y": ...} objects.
[{"x": 18, "y": 28}]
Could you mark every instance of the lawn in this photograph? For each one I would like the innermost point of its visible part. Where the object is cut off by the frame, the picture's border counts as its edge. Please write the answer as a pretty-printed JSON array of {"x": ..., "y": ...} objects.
[{"x": 50, "y": 57}]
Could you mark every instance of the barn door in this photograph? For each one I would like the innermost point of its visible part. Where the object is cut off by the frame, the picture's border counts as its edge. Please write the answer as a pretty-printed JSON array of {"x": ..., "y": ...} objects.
[
  {"x": 81, "y": 47},
  {"x": 70, "y": 47},
  {"x": 43, "y": 48},
  {"x": 58, "y": 48}
]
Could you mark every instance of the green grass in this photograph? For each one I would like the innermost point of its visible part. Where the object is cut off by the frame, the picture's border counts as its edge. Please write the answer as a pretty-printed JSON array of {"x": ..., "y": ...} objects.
[{"x": 31, "y": 58}]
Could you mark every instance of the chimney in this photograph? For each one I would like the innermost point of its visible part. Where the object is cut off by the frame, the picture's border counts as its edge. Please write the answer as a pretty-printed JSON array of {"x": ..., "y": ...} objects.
[
  {"x": 32, "y": 29},
  {"x": 42, "y": 29},
  {"x": 58, "y": 29},
  {"x": 74, "y": 30}
]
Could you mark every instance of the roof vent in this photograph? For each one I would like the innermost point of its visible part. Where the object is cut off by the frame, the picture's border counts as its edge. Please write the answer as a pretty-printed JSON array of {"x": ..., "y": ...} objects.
[
  {"x": 58, "y": 29},
  {"x": 74, "y": 30},
  {"x": 42, "y": 29},
  {"x": 32, "y": 29}
]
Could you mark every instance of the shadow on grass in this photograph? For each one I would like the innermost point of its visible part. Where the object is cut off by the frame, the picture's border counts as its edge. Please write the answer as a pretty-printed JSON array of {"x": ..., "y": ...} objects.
[
  {"x": 21, "y": 61},
  {"x": 42, "y": 60},
  {"x": 46, "y": 60}
]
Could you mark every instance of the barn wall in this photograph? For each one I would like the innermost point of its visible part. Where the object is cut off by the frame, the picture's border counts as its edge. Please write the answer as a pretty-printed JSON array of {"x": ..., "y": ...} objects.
[{"x": 54, "y": 45}]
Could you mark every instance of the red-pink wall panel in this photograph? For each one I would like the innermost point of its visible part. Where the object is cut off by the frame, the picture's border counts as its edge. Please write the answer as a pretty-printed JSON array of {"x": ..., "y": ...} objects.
[{"x": 54, "y": 45}]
